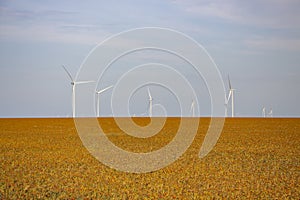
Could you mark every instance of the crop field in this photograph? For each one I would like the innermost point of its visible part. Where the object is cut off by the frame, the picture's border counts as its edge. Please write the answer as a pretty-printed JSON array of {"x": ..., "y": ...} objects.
[{"x": 255, "y": 158}]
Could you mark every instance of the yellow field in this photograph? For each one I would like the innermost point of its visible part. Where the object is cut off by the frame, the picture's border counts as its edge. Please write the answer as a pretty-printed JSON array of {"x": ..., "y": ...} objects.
[{"x": 254, "y": 158}]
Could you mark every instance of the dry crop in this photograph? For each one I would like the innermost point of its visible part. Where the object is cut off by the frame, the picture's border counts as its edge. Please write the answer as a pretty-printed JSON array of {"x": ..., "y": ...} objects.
[{"x": 254, "y": 158}]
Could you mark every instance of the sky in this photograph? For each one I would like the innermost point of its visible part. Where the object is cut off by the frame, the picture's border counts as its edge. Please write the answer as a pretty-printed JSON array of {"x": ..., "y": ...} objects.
[{"x": 256, "y": 42}]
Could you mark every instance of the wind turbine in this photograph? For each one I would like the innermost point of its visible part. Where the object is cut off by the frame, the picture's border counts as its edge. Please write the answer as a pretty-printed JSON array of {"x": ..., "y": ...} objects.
[
  {"x": 98, "y": 99},
  {"x": 192, "y": 110},
  {"x": 74, "y": 83},
  {"x": 271, "y": 113},
  {"x": 231, "y": 95},
  {"x": 150, "y": 103},
  {"x": 264, "y": 112}
]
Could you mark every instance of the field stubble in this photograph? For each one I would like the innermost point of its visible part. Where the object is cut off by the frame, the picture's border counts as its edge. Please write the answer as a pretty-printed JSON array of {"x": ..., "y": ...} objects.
[{"x": 254, "y": 158}]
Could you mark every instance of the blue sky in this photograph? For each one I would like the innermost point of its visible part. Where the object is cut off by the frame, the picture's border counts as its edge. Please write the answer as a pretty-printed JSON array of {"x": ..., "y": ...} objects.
[{"x": 256, "y": 42}]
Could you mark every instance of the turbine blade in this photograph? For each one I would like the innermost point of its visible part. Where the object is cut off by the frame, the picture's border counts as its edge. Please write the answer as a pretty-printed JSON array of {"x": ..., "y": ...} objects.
[
  {"x": 229, "y": 83},
  {"x": 225, "y": 98},
  {"x": 103, "y": 90},
  {"x": 229, "y": 95},
  {"x": 271, "y": 112},
  {"x": 149, "y": 94},
  {"x": 68, "y": 73},
  {"x": 82, "y": 82},
  {"x": 192, "y": 105}
]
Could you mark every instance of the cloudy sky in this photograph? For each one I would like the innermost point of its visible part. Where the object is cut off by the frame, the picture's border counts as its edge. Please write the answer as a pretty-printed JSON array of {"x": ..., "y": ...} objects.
[{"x": 256, "y": 42}]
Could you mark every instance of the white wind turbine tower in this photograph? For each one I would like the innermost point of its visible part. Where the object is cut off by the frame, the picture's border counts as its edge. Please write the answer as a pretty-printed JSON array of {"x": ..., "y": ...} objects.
[
  {"x": 226, "y": 104},
  {"x": 74, "y": 83},
  {"x": 264, "y": 112},
  {"x": 231, "y": 95},
  {"x": 98, "y": 99},
  {"x": 150, "y": 103},
  {"x": 192, "y": 110}
]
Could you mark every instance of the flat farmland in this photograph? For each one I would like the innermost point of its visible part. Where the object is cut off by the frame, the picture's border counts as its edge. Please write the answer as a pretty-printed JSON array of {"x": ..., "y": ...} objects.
[{"x": 254, "y": 158}]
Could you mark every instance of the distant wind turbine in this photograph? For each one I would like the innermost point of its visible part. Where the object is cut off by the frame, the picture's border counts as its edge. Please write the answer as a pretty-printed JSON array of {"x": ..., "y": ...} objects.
[
  {"x": 264, "y": 112},
  {"x": 192, "y": 110},
  {"x": 150, "y": 102},
  {"x": 231, "y": 95},
  {"x": 271, "y": 113},
  {"x": 98, "y": 99},
  {"x": 74, "y": 83}
]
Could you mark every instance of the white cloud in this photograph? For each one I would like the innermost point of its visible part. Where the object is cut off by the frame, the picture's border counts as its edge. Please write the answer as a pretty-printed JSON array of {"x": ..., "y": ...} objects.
[
  {"x": 48, "y": 26},
  {"x": 274, "y": 44},
  {"x": 51, "y": 34},
  {"x": 272, "y": 14}
]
